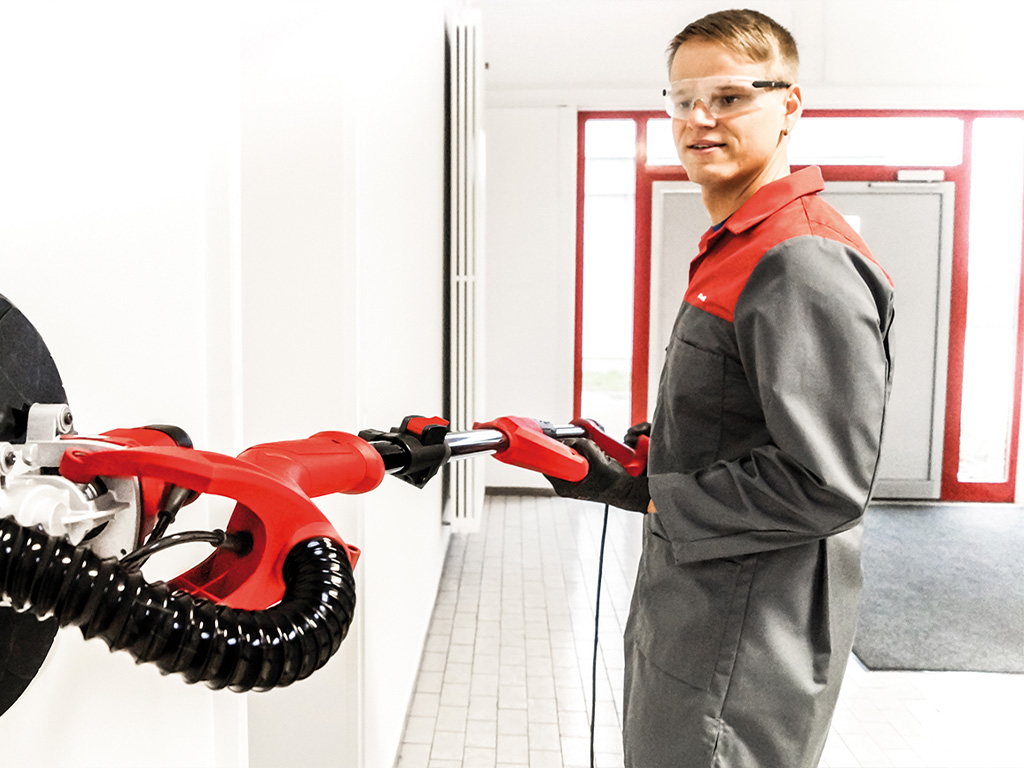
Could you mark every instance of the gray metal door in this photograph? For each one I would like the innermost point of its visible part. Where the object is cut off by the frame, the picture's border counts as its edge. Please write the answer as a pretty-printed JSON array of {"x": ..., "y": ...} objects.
[{"x": 909, "y": 228}]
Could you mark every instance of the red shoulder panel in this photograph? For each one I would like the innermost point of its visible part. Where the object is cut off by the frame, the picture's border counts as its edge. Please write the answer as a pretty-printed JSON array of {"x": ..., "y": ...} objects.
[{"x": 718, "y": 276}]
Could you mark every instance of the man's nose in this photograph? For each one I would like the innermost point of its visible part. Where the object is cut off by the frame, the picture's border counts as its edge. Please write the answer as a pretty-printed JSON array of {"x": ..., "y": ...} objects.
[{"x": 700, "y": 114}]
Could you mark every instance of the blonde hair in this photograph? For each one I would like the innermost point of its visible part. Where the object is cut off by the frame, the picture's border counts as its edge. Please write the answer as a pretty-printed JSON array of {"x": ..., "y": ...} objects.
[{"x": 750, "y": 33}]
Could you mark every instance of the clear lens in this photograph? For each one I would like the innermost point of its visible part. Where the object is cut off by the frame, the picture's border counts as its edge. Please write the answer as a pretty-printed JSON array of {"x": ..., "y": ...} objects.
[{"x": 719, "y": 96}]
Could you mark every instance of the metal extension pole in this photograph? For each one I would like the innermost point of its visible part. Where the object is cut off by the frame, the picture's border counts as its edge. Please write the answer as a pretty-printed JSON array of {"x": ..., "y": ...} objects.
[{"x": 475, "y": 442}]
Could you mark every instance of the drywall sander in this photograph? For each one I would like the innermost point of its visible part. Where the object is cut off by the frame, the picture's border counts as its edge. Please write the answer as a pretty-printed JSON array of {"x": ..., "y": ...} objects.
[{"x": 80, "y": 516}]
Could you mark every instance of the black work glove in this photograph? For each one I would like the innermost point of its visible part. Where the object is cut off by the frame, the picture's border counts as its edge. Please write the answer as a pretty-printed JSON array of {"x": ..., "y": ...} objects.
[
  {"x": 633, "y": 433},
  {"x": 607, "y": 481}
]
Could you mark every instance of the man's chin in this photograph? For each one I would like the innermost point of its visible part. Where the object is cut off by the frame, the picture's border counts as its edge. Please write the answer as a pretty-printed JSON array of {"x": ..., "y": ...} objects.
[{"x": 709, "y": 174}]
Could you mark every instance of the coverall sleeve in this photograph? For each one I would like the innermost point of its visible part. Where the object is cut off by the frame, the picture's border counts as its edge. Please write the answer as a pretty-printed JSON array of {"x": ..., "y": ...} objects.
[{"x": 811, "y": 326}]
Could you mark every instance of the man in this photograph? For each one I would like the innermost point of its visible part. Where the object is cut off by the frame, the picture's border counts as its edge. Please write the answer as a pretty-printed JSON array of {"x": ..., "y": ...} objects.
[{"x": 766, "y": 435}]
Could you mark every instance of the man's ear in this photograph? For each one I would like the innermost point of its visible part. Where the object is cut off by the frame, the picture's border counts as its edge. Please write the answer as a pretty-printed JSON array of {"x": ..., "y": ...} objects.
[{"x": 794, "y": 106}]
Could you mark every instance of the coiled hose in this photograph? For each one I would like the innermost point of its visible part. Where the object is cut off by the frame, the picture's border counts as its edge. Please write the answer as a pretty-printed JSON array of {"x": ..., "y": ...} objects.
[{"x": 203, "y": 641}]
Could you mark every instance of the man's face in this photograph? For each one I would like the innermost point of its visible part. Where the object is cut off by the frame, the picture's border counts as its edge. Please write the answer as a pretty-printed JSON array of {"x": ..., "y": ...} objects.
[{"x": 732, "y": 151}]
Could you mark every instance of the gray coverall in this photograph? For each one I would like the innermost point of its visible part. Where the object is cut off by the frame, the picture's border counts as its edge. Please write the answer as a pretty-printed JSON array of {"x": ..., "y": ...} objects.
[{"x": 764, "y": 447}]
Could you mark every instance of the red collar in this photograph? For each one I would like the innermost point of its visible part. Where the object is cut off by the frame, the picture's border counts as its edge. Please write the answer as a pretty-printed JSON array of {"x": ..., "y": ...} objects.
[{"x": 769, "y": 199}]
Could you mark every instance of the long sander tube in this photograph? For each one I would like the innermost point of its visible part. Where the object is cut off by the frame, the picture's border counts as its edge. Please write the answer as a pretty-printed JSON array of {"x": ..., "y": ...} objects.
[{"x": 462, "y": 445}]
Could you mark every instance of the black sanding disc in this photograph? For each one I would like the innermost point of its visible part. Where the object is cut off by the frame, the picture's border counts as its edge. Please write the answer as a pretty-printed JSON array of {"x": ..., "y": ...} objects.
[{"x": 27, "y": 375}]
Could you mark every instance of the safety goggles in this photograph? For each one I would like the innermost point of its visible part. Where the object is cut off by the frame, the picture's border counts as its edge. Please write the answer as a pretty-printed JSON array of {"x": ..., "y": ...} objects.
[{"x": 721, "y": 96}]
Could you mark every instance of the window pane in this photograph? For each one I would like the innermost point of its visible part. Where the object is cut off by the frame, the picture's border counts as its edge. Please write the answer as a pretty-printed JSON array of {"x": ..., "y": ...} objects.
[
  {"x": 895, "y": 141},
  {"x": 612, "y": 176},
  {"x": 994, "y": 256},
  {"x": 610, "y": 138},
  {"x": 903, "y": 141},
  {"x": 661, "y": 148},
  {"x": 609, "y": 212}
]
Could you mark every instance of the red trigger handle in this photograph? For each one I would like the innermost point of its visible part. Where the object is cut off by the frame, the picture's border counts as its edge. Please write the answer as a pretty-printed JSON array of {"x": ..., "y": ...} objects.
[
  {"x": 530, "y": 448},
  {"x": 635, "y": 461},
  {"x": 273, "y": 484}
]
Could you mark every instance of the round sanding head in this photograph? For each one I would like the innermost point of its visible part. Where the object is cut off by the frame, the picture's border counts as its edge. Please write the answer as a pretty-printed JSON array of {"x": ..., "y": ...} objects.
[{"x": 27, "y": 375}]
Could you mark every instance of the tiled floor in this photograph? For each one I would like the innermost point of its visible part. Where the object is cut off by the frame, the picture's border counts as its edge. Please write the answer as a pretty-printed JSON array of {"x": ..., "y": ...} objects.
[{"x": 506, "y": 675}]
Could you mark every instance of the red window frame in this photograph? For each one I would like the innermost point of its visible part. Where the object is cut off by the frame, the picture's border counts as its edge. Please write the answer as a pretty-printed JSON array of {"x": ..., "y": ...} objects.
[{"x": 952, "y": 488}]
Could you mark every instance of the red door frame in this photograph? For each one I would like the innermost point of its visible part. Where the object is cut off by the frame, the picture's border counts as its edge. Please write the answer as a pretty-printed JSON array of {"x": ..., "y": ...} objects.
[{"x": 952, "y": 488}]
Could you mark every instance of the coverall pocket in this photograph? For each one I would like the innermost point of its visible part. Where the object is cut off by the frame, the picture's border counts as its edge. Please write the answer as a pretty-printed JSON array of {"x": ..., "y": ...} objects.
[
  {"x": 691, "y": 400},
  {"x": 681, "y": 612}
]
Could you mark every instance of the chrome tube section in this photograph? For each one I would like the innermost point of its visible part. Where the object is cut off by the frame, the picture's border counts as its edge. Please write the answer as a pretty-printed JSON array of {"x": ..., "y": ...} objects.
[
  {"x": 461, "y": 445},
  {"x": 474, "y": 442}
]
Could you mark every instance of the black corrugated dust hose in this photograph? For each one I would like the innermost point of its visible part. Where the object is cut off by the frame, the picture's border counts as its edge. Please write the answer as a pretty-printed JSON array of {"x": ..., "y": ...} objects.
[{"x": 201, "y": 640}]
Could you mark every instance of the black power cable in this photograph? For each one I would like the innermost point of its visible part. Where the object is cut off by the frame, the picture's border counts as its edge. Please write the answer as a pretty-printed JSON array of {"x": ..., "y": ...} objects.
[
  {"x": 597, "y": 623},
  {"x": 240, "y": 542}
]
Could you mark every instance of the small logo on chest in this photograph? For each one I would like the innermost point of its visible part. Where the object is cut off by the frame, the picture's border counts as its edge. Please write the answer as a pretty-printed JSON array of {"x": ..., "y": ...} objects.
[{"x": 702, "y": 297}]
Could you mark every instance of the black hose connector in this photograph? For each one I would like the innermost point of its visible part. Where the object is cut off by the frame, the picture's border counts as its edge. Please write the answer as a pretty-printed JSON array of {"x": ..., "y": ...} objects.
[{"x": 203, "y": 641}]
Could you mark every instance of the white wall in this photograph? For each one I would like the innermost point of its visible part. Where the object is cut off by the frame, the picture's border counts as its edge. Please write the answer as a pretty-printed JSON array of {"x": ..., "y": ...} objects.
[
  {"x": 228, "y": 216},
  {"x": 104, "y": 244},
  {"x": 547, "y": 59},
  {"x": 530, "y": 264},
  {"x": 348, "y": 106}
]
